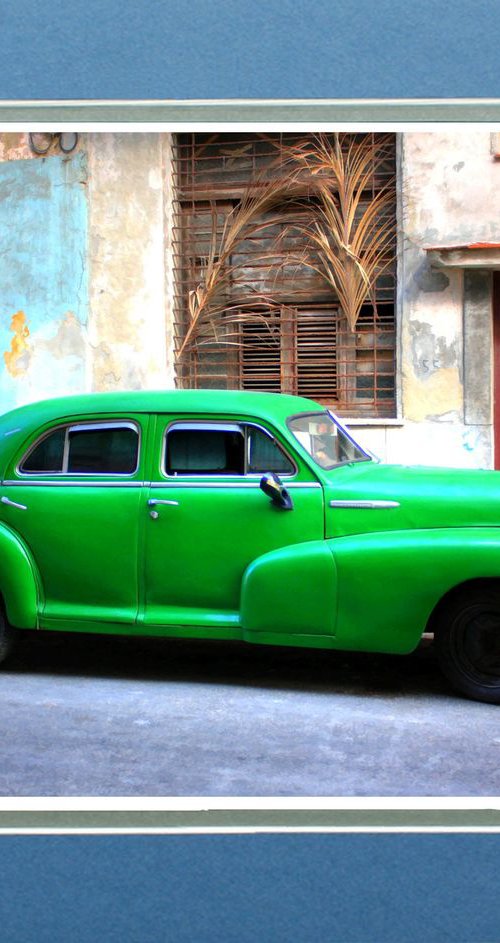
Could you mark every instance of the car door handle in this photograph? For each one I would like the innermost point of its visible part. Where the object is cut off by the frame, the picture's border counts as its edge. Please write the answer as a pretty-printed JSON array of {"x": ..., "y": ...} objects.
[
  {"x": 153, "y": 501},
  {"x": 13, "y": 504}
]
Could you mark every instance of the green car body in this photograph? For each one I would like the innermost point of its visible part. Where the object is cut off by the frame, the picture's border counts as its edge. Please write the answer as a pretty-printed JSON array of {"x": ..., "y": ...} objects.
[{"x": 369, "y": 556}]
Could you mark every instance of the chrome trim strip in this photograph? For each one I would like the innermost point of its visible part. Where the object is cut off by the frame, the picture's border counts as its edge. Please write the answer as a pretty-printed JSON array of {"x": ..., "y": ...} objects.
[
  {"x": 63, "y": 483},
  {"x": 94, "y": 425},
  {"x": 196, "y": 483},
  {"x": 365, "y": 505},
  {"x": 13, "y": 504}
]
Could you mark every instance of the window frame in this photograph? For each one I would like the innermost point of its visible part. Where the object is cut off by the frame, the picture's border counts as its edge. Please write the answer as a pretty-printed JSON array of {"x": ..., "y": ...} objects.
[
  {"x": 80, "y": 426},
  {"x": 215, "y": 424}
]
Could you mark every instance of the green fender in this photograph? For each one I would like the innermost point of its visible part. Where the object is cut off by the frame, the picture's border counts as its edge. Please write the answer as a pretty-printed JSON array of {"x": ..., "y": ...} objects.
[
  {"x": 290, "y": 591},
  {"x": 390, "y": 583},
  {"x": 18, "y": 581},
  {"x": 368, "y": 592}
]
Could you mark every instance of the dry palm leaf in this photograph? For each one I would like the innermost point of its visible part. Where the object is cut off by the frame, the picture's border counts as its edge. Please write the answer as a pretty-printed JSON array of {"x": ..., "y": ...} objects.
[
  {"x": 347, "y": 228},
  {"x": 208, "y": 310},
  {"x": 351, "y": 228}
]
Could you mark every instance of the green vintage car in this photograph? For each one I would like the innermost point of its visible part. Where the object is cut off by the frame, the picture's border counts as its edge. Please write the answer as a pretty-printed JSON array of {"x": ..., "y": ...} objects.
[{"x": 237, "y": 515}]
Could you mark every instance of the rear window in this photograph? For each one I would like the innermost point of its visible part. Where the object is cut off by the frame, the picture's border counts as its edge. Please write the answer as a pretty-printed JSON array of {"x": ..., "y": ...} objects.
[
  {"x": 85, "y": 449},
  {"x": 47, "y": 456}
]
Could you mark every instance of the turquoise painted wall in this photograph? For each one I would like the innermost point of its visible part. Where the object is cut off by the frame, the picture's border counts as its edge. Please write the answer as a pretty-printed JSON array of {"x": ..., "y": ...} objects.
[{"x": 43, "y": 278}]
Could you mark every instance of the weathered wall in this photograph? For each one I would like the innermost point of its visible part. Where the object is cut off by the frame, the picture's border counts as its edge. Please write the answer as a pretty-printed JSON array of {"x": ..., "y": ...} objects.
[
  {"x": 450, "y": 195},
  {"x": 43, "y": 276},
  {"x": 84, "y": 297},
  {"x": 127, "y": 326},
  {"x": 86, "y": 281}
]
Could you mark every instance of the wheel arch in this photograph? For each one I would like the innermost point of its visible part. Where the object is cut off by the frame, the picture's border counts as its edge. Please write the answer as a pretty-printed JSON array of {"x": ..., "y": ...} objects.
[
  {"x": 483, "y": 582},
  {"x": 19, "y": 581}
]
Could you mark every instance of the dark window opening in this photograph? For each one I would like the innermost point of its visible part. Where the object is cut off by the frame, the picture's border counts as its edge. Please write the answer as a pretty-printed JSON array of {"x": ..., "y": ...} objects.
[
  {"x": 205, "y": 452},
  {"x": 265, "y": 455},
  {"x": 85, "y": 450},
  {"x": 47, "y": 457},
  {"x": 226, "y": 449},
  {"x": 103, "y": 451}
]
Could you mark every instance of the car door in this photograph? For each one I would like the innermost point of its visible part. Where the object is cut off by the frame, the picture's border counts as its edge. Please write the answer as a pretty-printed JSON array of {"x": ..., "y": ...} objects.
[
  {"x": 207, "y": 518},
  {"x": 74, "y": 497}
]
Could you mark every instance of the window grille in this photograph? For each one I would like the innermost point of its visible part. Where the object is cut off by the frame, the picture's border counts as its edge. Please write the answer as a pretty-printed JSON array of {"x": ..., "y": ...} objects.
[{"x": 284, "y": 329}]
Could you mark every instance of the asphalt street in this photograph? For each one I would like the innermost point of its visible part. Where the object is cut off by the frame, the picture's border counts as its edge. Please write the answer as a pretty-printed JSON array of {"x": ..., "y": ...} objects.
[{"x": 96, "y": 716}]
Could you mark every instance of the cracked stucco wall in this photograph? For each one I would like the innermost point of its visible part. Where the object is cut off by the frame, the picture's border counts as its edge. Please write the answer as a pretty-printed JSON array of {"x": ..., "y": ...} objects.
[
  {"x": 450, "y": 195},
  {"x": 85, "y": 283},
  {"x": 128, "y": 316},
  {"x": 43, "y": 274}
]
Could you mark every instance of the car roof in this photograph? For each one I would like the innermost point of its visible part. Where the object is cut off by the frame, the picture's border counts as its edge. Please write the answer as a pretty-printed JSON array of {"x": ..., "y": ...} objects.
[{"x": 277, "y": 406}]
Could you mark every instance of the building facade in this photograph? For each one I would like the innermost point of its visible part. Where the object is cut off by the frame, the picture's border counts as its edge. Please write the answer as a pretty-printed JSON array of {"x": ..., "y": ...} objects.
[{"x": 101, "y": 246}]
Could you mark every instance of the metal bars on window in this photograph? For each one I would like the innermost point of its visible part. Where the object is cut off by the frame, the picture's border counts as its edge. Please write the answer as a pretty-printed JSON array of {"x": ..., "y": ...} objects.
[{"x": 279, "y": 325}]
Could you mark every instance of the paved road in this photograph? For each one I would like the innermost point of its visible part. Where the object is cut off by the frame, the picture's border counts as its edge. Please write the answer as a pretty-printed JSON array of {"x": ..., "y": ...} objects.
[{"x": 95, "y": 716}]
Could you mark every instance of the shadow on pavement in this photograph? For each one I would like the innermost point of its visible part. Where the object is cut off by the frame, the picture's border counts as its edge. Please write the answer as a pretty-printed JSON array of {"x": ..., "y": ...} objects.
[{"x": 231, "y": 663}]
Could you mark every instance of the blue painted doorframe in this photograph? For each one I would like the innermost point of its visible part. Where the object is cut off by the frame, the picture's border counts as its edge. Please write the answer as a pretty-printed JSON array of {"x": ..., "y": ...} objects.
[{"x": 43, "y": 278}]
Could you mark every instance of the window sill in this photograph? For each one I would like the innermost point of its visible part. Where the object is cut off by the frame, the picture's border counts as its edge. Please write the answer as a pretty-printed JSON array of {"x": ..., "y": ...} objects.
[{"x": 381, "y": 423}]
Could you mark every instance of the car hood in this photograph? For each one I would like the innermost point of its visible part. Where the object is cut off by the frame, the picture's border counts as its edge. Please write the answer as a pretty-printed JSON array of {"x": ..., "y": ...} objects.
[{"x": 412, "y": 497}]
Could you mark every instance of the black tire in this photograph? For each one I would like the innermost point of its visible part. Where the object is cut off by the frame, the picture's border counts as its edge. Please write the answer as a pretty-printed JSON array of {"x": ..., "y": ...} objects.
[
  {"x": 467, "y": 642},
  {"x": 7, "y": 636}
]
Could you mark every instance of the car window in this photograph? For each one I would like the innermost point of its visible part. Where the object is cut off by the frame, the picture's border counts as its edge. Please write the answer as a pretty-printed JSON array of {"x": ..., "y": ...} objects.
[
  {"x": 217, "y": 449},
  {"x": 327, "y": 442},
  {"x": 265, "y": 455},
  {"x": 102, "y": 451},
  {"x": 47, "y": 456},
  {"x": 85, "y": 449},
  {"x": 222, "y": 449}
]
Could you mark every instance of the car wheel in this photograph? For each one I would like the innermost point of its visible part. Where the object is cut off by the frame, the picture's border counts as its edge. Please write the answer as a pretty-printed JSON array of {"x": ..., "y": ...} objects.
[
  {"x": 467, "y": 643},
  {"x": 7, "y": 636}
]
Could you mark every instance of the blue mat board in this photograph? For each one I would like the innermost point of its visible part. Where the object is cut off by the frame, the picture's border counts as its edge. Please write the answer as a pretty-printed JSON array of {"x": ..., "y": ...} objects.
[
  {"x": 280, "y": 888},
  {"x": 233, "y": 49}
]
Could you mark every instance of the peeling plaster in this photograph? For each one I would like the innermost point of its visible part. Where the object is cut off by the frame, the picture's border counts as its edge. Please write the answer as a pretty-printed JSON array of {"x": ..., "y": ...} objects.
[
  {"x": 451, "y": 186},
  {"x": 127, "y": 329},
  {"x": 14, "y": 146},
  {"x": 43, "y": 278},
  {"x": 68, "y": 341},
  {"x": 430, "y": 353},
  {"x": 429, "y": 280},
  {"x": 440, "y": 396},
  {"x": 433, "y": 387},
  {"x": 17, "y": 359}
]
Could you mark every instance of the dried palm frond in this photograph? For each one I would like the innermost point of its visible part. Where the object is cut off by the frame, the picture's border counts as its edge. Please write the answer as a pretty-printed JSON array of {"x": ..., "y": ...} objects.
[
  {"x": 351, "y": 229},
  {"x": 326, "y": 194},
  {"x": 208, "y": 310}
]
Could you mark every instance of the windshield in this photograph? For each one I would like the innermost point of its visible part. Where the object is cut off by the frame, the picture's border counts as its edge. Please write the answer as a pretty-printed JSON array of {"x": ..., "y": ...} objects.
[{"x": 327, "y": 442}]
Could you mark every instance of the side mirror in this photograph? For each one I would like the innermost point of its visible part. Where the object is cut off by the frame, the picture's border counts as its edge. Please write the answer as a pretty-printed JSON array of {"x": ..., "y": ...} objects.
[{"x": 271, "y": 485}]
